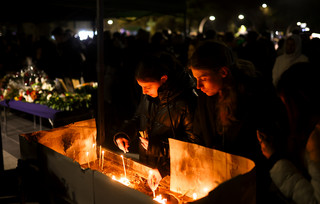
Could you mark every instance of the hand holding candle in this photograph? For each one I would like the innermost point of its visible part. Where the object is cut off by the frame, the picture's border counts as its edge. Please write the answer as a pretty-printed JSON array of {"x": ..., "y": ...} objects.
[
  {"x": 144, "y": 143},
  {"x": 123, "y": 144},
  {"x": 154, "y": 179}
]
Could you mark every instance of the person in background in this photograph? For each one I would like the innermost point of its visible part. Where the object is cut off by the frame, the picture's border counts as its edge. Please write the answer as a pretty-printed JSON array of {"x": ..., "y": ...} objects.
[
  {"x": 165, "y": 111},
  {"x": 292, "y": 54},
  {"x": 297, "y": 172},
  {"x": 70, "y": 57},
  {"x": 232, "y": 106}
]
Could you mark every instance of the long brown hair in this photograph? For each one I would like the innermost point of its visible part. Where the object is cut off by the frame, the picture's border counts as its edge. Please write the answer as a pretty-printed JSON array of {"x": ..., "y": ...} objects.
[{"x": 213, "y": 55}]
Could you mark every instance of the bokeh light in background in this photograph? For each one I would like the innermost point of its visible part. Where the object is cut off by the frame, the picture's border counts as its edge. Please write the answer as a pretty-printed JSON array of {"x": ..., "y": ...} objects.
[
  {"x": 241, "y": 17},
  {"x": 85, "y": 34},
  {"x": 212, "y": 18}
]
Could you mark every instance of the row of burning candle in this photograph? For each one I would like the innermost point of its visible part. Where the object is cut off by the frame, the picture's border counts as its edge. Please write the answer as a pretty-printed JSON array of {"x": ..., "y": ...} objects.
[
  {"x": 124, "y": 179},
  {"x": 101, "y": 156}
]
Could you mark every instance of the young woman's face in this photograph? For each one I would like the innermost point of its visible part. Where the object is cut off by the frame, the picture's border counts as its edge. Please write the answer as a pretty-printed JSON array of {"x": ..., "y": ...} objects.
[
  {"x": 208, "y": 81},
  {"x": 150, "y": 88}
]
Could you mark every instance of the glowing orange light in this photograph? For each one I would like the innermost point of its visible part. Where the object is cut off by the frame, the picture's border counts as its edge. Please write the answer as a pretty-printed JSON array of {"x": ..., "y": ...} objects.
[
  {"x": 102, "y": 160},
  {"x": 206, "y": 190},
  {"x": 159, "y": 199},
  {"x": 88, "y": 159},
  {"x": 122, "y": 180},
  {"x": 124, "y": 167},
  {"x": 194, "y": 195}
]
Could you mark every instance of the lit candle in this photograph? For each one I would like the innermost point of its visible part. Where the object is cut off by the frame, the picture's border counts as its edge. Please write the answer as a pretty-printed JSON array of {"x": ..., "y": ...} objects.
[
  {"x": 88, "y": 159},
  {"x": 124, "y": 167},
  {"x": 100, "y": 156},
  {"x": 153, "y": 190},
  {"x": 102, "y": 160},
  {"x": 94, "y": 150},
  {"x": 194, "y": 195},
  {"x": 159, "y": 199}
]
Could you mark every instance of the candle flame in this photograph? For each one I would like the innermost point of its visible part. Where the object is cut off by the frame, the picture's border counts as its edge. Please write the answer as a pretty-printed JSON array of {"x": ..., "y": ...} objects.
[
  {"x": 194, "y": 195},
  {"x": 122, "y": 180},
  {"x": 159, "y": 199}
]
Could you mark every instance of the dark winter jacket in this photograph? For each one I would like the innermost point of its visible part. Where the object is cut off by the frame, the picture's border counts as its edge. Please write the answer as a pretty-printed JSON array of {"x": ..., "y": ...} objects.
[{"x": 170, "y": 115}]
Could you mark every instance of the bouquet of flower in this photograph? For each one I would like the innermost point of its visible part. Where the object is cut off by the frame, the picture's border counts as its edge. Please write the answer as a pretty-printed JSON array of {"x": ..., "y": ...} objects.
[{"x": 33, "y": 86}]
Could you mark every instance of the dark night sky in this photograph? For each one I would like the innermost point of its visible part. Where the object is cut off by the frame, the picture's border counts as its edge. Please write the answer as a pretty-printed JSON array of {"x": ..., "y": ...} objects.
[{"x": 283, "y": 12}]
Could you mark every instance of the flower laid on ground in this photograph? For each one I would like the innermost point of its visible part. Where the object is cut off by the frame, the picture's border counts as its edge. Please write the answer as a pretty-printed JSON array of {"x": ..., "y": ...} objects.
[{"x": 33, "y": 86}]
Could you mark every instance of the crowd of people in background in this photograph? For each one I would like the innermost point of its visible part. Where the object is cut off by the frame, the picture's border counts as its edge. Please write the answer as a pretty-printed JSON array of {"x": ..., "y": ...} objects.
[{"x": 66, "y": 52}]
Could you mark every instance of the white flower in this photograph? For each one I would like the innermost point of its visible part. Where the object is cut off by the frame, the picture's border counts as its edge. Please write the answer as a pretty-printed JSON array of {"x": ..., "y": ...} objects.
[
  {"x": 49, "y": 96},
  {"x": 5, "y": 92},
  {"x": 28, "y": 98},
  {"x": 47, "y": 86},
  {"x": 43, "y": 80},
  {"x": 36, "y": 87}
]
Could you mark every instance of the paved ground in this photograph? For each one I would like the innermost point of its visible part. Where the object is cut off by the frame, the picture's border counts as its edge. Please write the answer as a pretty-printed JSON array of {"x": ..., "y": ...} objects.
[{"x": 17, "y": 123}]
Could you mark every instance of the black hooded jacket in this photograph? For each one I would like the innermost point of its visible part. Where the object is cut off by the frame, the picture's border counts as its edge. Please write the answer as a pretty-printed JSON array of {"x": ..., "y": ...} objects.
[{"x": 169, "y": 115}]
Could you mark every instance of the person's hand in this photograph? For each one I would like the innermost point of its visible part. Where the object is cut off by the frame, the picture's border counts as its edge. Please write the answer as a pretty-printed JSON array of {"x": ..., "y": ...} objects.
[
  {"x": 154, "y": 179},
  {"x": 144, "y": 143},
  {"x": 123, "y": 144},
  {"x": 266, "y": 146}
]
